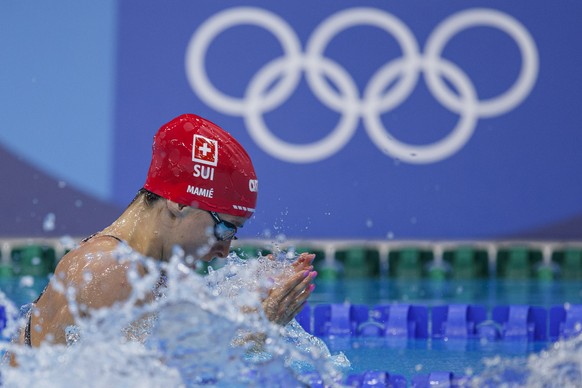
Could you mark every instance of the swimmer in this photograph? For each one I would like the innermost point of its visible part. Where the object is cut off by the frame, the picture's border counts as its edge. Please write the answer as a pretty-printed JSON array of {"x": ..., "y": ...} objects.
[{"x": 200, "y": 189}]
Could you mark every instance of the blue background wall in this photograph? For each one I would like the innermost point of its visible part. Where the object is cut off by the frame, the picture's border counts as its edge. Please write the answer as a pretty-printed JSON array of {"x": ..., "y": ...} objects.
[{"x": 84, "y": 86}]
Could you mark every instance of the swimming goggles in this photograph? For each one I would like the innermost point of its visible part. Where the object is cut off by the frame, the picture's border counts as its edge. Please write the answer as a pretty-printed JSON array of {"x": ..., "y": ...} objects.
[{"x": 223, "y": 230}]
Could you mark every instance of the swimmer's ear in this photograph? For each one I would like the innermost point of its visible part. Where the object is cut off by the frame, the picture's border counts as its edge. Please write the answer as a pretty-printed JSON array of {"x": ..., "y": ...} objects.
[{"x": 176, "y": 209}]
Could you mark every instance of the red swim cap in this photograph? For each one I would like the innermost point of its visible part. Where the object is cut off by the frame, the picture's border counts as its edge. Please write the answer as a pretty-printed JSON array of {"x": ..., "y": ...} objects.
[{"x": 197, "y": 163}]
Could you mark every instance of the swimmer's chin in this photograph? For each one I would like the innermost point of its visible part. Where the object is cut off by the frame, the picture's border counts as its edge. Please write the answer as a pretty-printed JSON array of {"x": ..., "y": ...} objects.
[{"x": 209, "y": 257}]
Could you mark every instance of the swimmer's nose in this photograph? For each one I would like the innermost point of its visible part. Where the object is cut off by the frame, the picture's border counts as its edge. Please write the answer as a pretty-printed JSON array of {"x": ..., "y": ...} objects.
[{"x": 222, "y": 249}]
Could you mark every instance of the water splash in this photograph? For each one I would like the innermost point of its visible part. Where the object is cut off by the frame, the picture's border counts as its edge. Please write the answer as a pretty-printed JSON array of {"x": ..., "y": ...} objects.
[
  {"x": 198, "y": 331},
  {"x": 560, "y": 365},
  {"x": 48, "y": 223}
]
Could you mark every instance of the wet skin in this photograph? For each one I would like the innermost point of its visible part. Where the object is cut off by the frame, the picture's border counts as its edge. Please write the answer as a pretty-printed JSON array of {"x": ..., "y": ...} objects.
[{"x": 100, "y": 278}]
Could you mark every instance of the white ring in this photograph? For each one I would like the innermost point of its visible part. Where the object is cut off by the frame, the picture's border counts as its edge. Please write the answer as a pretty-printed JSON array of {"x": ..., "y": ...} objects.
[
  {"x": 196, "y": 55},
  {"x": 304, "y": 153},
  {"x": 487, "y": 17},
  {"x": 400, "y": 74},
  {"x": 350, "y": 18},
  {"x": 437, "y": 151}
]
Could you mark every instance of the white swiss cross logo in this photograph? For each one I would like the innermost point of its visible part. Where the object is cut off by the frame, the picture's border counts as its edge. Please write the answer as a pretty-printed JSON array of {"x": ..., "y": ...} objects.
[{"x": 205, "y": 150}]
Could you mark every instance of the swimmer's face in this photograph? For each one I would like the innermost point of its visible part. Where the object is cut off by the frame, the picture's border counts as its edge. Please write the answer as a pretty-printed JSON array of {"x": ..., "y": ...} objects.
[
  {"x": 198, "y": 233},
  {"x": 220, "y": 233}
]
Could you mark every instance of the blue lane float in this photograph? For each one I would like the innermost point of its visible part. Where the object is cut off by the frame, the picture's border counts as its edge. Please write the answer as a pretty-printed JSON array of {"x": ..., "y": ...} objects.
[
  {"x": 521, "y": 322},
  {"x": 338, "y": 319},
  {"x": 506, "y": 322},
  {"x": 366, "y": 379},
  {"x": 376, "y": 379},
  {"x": 438, "y": 379},
  {"x": 2, "y": 317},
  {"x": 565, "y": 321},
  {"x": 401, "y": 320},
  {"x": 457, "y": 320}
]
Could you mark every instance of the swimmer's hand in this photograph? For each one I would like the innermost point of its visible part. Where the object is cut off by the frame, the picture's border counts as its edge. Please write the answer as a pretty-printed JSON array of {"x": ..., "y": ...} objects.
[
  {"x": 286, "y": 300},
  {"x": 303, "y": 262}
]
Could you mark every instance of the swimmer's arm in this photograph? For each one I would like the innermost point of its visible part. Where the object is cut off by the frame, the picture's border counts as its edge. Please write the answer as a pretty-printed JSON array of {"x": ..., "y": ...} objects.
[
  {"x": 95, "y": 283},
  {"x": 77, "y": 286},
  {"x": 109, "y": 284},
  {"x": 79, "y": 289}
]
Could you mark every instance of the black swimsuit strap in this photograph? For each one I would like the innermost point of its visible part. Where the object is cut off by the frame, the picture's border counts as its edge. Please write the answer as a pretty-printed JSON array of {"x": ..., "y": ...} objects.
[
  {"x": 112, "y": 236},
  {"x": 27, "y": 340},
  {"x": 27, "y": 328},
  {"x": 101, "y": 235}
]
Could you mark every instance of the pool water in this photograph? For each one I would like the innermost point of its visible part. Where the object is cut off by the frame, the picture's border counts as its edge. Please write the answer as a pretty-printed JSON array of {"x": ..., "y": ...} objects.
[
  {"x": 195, "y": 332},
  {"x": 408, "y": 357},
  {"x": 22, "y": 290},
  {"x": 487, "y": 292}
]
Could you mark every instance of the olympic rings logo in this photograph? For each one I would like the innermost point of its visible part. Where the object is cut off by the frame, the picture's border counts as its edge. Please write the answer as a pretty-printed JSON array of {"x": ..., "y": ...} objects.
[{"x": 403, "y": 72}]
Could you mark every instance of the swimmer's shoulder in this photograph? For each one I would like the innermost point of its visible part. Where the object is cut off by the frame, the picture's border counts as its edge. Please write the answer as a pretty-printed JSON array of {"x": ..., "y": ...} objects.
[
  {"x": 94, "y": 254},
  {"x": 96, "y": 246},
  {"x": 97, "y": 270}
]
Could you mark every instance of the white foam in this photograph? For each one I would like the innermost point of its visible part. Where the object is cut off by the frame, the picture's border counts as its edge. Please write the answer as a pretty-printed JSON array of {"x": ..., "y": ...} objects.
[{"x": 195, "y": 332}]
